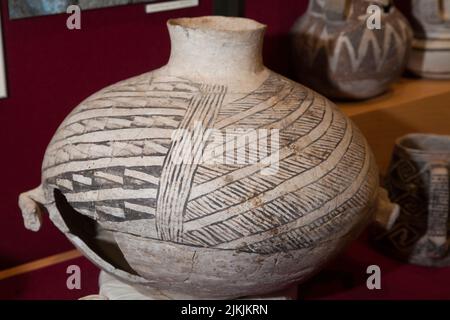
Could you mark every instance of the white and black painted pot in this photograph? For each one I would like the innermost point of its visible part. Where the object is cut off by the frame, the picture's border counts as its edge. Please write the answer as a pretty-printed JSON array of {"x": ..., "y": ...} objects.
[
  {"x": 338, "y": 52},
  {"x": 225, "y": 226},
  {"x": 418, "y": 181},
  {"x": 430, "y": 55}
]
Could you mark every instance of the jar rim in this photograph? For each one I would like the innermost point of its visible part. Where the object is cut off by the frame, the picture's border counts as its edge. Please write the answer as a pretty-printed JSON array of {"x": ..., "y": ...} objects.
[
  {"x": 218, "y": 24},
  {"x": 425, "y": 143}
]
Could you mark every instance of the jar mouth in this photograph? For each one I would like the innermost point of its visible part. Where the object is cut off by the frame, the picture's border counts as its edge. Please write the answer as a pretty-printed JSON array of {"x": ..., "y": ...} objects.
[
  {"x": 425, "y": 143},
  {"x": 219, "y": 24}
]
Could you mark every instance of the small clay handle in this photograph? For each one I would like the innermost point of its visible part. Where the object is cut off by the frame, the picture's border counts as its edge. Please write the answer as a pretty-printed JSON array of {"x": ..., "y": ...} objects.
[
  {"x": 31, "y": 205},
  {"x": 438, "y": 207},
  {"x": 387, "y": 212}
]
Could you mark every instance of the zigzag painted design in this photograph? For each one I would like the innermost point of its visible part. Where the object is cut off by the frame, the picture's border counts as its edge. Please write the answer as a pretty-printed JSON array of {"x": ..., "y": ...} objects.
[{"x": 368, "y": 43}]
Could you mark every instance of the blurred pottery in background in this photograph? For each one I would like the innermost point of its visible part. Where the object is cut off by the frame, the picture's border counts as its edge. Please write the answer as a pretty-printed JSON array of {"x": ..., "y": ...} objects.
[
  {"x": 430, "y": 55},
  {"x": 418, "y": 181},
  {"x": 148, "y": 179},
  {"x": 338, "y": 55}
]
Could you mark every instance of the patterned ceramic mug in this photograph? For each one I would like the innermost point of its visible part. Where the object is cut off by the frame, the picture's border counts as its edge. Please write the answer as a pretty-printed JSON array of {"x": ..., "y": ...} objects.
[{"x": 418, "y": 180}]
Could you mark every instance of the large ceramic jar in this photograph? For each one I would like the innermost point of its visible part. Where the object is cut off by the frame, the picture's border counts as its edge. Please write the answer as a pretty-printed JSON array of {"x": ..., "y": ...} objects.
[
  {"x": 211, "y": 177},
  {"x": 430, "y": 55},
  {"x": 339, "y": 51}
]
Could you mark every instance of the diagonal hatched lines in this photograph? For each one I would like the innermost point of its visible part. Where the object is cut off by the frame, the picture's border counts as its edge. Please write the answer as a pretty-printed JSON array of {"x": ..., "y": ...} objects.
[
  {"x": 265, "y": 228},
  {"x": 108, "y": 154},
  {"x": 286, "y": 152},
  {"x": 307, "y": 232},
  {"x": 145, "y": 110},
  {"x": 280, "y": 121},
  {"x": 289, "y": 185},
  {"x": 222, "y": 210}
]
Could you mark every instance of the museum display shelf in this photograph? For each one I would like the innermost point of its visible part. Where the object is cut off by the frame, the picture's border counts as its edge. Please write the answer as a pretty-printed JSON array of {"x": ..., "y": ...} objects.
[{"x": 412, "y": 105}]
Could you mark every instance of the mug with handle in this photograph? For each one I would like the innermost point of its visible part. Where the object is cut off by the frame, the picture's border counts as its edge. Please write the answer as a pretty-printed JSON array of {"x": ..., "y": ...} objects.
[{"x": 418, "y": 181}]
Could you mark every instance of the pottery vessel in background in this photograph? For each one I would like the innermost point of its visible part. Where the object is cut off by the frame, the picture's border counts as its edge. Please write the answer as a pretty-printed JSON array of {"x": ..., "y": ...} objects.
[
  {"x": 418, "y": 181},
  {"x": 430, "y": 55},
  {"x": 337, "y": 54}
]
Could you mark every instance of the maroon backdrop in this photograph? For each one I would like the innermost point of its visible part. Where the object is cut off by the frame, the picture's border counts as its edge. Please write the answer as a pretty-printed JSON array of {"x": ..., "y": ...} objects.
[{"x": 279, "y": 16}]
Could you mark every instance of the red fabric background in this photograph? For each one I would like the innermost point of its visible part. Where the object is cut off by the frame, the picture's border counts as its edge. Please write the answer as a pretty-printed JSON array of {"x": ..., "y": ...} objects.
[{"x": 279, "y": 16}]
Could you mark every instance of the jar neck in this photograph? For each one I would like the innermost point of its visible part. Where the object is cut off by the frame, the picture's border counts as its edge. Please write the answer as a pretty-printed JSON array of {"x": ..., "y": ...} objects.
[{"x": 216, "y": 48}]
